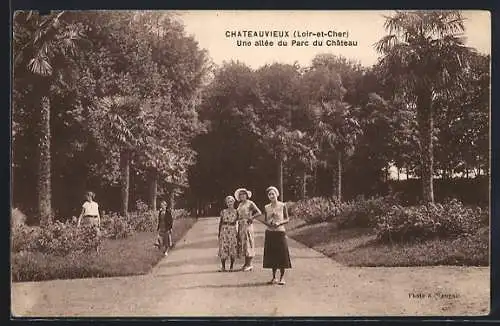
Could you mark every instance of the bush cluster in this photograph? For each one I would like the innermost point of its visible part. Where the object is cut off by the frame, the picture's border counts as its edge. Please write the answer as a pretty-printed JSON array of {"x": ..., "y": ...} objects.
[
  {"x": 61, "y": 239},
  {"x": 57, "y": 238},
  {"x": 364, "y": 212},
  {"x": 392, "y": 222},
  {"x": 357, "y": 213},
  {"x": 316, "y": 209},
  {"x": 450, "y": 219}
]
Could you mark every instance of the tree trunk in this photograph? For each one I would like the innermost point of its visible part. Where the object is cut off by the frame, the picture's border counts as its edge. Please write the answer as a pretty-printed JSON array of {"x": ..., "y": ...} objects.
[
  {"x": 153, "y": 190},
  {"x": 280, "y": 174},
  {"x": 426, "y": 128},
  {"x": 172, "y": 197},
  {"x": 315, "y": 190},
  {"x": 44, "y": 173},
  {"x": 304, "y": 184},
  {"x": 337, "y": 178},
  {"x": 125, "y": 179}
]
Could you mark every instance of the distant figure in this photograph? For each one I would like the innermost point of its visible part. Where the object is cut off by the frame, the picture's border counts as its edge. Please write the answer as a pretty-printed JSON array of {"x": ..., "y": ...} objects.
[
  {"x": 90, "y": 213},
  {"x": 247, "y": 211},
  {"x": 276, "y": 253},
  {"x": 165, "y": 224},
  {"x": 228, "y": 234}
]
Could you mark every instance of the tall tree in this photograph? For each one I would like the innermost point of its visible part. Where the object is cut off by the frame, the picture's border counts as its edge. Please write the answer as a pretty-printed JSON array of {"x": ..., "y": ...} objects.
[
  {"x": 39, "y": 41},
  {"x": 332, "y": 121},
  {"x": 425, "y": 53}
]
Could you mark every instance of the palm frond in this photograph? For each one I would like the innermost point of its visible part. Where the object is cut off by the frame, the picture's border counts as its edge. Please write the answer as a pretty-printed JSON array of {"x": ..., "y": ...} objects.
[{"x": 40, "y": 65}]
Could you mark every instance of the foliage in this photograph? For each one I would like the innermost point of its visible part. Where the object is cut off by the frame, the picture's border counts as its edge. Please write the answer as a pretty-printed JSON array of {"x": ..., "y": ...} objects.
[
  {"x": 115, "y": 226},
  {"x": 436, "y": 36},
  {"x": 56, "y": 239},
  {"x": 134, "y": 255},
  {"x": 317, "y": 209},
  {"x": 450, "y": 219},
  {"x": 134, "y": 80},
  {"x": 359, "y": 247},
  {"x": 180, "y": 213},
  {"x": 363, "y": 212}
]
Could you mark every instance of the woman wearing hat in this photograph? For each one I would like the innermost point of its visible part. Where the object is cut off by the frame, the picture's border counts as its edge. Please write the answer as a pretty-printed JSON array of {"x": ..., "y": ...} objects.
[
  {"x": 276, "y": 253},
  {"x": 228, "y": 234},
  {"x": 247, "y": 211}
]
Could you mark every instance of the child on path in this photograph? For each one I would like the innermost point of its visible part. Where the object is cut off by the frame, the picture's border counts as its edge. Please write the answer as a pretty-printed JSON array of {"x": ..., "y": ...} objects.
[{"x": 165, "y": 224}]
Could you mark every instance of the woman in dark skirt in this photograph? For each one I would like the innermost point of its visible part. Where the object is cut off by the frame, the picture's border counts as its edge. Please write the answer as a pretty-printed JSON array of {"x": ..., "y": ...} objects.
[{"x": 276, "y": 253}]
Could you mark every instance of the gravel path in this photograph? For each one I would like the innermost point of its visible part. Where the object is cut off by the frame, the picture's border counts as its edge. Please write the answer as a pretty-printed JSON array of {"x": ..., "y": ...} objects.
[{"x": 186, "y": 283}]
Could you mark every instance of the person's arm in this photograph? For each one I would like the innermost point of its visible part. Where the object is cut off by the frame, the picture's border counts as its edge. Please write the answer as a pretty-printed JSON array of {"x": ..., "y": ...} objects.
[
  {"x": 286, "y": 218},
  {"x": 98, "y": 217},
  {"x": 256, "y": 211},
  {"x": 220, "y": 224},
  {"x": 80, "y": 217},
  {"x": 159, "y": 220},
  {"x": 267, "y": 221}
]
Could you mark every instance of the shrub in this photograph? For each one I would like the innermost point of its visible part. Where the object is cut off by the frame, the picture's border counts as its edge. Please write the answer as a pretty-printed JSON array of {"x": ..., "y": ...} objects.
[
  {"x": 141, "y": 206},
  {"x": 143, "y": 221},
  {"x": 474, "y": 248},
  {"x": 56, "y": 238},
  {"x": 17, "y": 217},
  {"x": 180, "y": 213},
  {"x": 426, "y": 222},
  {"x": 114, "y": 226},
  {"x": 316, "y": 210},
  {"x": 364, "y": 212},
  {"x": 358, "y": 213}
]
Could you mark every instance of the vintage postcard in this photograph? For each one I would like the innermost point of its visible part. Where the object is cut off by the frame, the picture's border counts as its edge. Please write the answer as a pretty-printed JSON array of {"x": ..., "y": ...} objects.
[{"x": 250, "y": 163}]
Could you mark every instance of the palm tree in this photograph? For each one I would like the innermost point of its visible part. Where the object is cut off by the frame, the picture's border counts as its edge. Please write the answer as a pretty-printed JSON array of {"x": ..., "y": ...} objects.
[
  {"x": 115, "y": 129},
  {"x": 424, "y": 52},
  {"x": 38, "y": 41},
  {"x": 338, "y": 131}
]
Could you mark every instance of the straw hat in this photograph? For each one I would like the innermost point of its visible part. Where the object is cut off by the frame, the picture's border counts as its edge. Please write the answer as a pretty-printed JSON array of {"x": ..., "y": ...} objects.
[
  {"x": 272, "y": 188},
  {"x": 248, "y": 192},
  {"x": 229, "y": 197}
]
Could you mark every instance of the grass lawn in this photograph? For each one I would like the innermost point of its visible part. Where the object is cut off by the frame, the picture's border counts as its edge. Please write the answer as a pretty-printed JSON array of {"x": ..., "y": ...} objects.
[
  {"x": 358, "y": 247},
  {"x": 134, "y": 255}
]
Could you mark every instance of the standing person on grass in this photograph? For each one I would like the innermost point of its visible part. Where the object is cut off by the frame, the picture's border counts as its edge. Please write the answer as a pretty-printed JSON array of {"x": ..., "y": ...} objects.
[
  {"x": 247, "y": 212},
  {"x": 90, "y": 214},
  {"x": 228, "y": 234},
  {"x": 276, "y": 253},
  {"x": 165, "y": 224}
]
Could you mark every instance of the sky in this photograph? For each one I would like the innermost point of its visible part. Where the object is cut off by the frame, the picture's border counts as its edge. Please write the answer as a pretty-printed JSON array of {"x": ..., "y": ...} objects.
[{"x": 364, "y": 27}]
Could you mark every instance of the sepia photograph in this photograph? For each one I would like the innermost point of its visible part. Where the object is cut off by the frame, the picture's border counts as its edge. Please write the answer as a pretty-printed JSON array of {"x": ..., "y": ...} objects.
[{"x": 265, "y": 163}]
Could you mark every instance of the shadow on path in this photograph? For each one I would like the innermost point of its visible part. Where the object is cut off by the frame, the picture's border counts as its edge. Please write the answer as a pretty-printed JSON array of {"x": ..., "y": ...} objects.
[
  {"x": 199, "y": 244},
  {"x": 225, "y": 286},
  {"x": 198, "y": 261},
  {"x": 214, "y": 271}
]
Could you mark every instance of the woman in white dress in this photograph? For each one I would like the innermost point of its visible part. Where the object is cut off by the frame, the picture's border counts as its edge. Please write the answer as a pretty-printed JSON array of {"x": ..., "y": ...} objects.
[{"x": 247, "y": 212}]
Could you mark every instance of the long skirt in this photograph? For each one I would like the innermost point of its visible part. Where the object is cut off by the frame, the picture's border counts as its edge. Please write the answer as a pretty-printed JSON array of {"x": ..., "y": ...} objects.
[
  {"x": 276, "y": 253},
  {"x": 246, "y": 239},
  {"x": 228, "y": 242}
]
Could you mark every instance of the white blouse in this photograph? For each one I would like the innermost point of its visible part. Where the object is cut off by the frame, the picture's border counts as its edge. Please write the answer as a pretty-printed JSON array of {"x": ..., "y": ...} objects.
[
  {"x": 90, "y": 208},
  {"x": 277, "y": 213}
]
